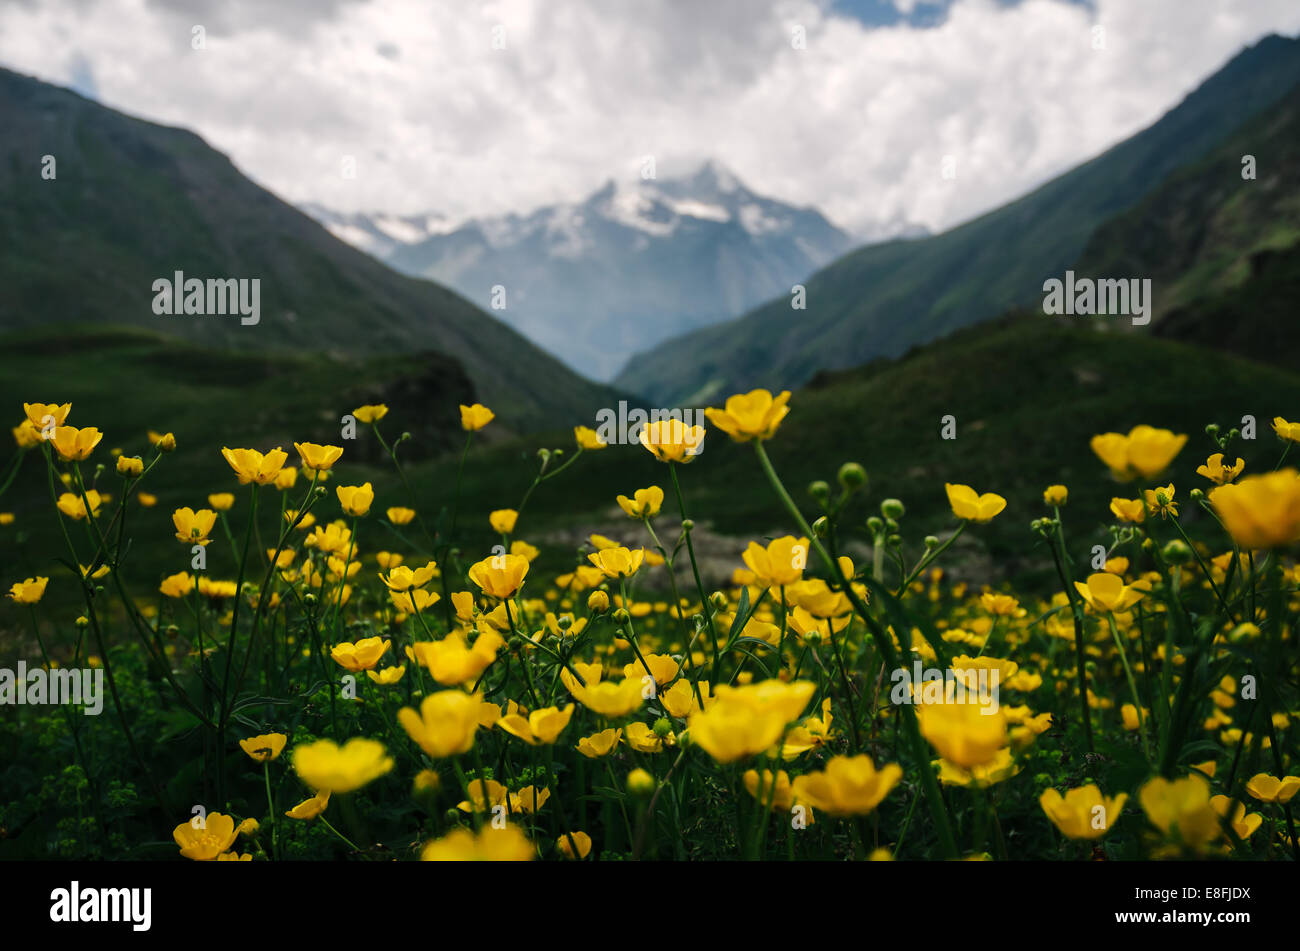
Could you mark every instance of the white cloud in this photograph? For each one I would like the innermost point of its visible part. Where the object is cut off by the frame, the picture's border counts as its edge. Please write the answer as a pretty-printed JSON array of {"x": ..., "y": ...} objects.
[{"x": 857, "y": 123}]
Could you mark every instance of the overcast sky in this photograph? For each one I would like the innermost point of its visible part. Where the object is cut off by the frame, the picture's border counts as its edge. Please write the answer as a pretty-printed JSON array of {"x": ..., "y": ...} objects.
[{"x": 857, "y": 122}]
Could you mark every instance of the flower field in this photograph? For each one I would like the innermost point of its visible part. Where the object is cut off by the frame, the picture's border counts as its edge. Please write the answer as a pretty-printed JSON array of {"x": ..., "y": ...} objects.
[{"x": 361, "y": 688}]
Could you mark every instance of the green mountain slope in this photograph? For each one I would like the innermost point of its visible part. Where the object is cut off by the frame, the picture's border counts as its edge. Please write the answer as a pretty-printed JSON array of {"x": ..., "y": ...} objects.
[
  {"x": 126, "y": 382},
  {"x": 133, "y": 202},
  {"x": 1028, "y": 393},
  {"x": 1223, "y": 252},
  {"x": 884, "y": 299}
]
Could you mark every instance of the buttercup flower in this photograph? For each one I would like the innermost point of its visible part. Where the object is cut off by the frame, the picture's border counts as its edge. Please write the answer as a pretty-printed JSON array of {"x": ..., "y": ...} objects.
[
  {"x": 309, "y": 809},
  {"x": 451, "y": 661},
  {"x": 252, "y": 466},
  {"x": 446, "y": 723},
  {"x": 400, "y": 516},
  {"x": 487, "y": 845},
  {"x": 74, "y": 506},
  {"x": 1268, "y": 788},
  {"x": 388, "y": 676},
  {"x": 1056, "y": 494},
  {"x": 28, "y": 592},
  {"x": 76, "y": 444},
  {"x": 1161, "y": 501},
  {"x": 618, "y": 562},
  {"x": 970, "y": 506},
  {"x": 268, "y": 746},
  {"x": 753, "y": 415},
  {"x": 44, "y": 416},
  {"x": 542, "y": 727},
  {"x": 581, "y": 839},
  {"x": 1261, "y": 511},
  {"x": 780, "y": 563},
  {"x": 26, "y": 436},
  {"x": 130, "y": 466},
  {"x": 370, "y": 413},
  {"x": 849, "y": 786},
  {"x": 965, "y": 734},
  {"x": 403, "y": 578},
  {"x": 1129, "y": 510},
  {"x": 1288, "y": 432},
  {"x": 1106, "y": 593},
  {"x": 670, "y": 440},
  {"x": 473, "y": 418},
  {"x": 222, "y": 501},
  {"x": 1145, "y": 451},
  {"x": 326, "y": 765},
  {"x": 503, "y": 520},
  {"x": 214, "y": 833},
  {"x": 1245, "y": 825},
  {"x": 178, "y": 585},
  {"x": 599, "y": 744},
  {"x": 645, "y": 503},
  {"x": 1082, "y": 813},
  {"x": 355, "y": 499},
  {"x": 746, "y": 720},
  {"x": 1217, "y": 472},
  {"x": 363, "y": 655},
  {"x": 587, "y": 438},
  {"x": 499, "y": 576},
  {"x": 1181, "y": 806},
  {"x": 319, "y": 458},
  {"x": 194, "y": 527}
]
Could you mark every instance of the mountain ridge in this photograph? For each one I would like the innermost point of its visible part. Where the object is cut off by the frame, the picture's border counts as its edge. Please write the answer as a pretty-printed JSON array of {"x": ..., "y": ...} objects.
[
  {"x": 884, "y": 299},
  {"x": 77, "y": 251},
  {"x": 594, "y": 280}
]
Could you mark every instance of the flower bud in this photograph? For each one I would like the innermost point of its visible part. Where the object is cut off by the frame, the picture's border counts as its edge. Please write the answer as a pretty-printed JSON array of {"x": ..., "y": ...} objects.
[
  {"x": 1177, "y": 552},
  {"x": 718, "y": 601},
  {"x": 598, "y": 601},
  {"x": 852, "y": 476},
  {"x": 167, "y": 443},
  {"x": 688, "y": 524},
  {"x": 821, "y": 528},
  {"x": 662, "y": 727},
  {"x": 875, "y": 524},
  {"x": 892, "y": 509},
  {"x": 130, "y": 466},
  {"x": 819, "y": 491},
  {"x": 640, "y": 783},
  {"x": 621, "y": 616}
]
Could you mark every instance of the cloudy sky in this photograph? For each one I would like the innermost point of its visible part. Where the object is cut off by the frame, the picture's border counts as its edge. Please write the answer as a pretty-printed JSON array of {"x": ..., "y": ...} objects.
[{"x": 472, "y": 107}]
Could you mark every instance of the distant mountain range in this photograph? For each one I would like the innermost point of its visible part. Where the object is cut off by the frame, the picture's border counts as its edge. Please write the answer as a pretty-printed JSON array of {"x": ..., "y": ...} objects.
[
  {"x": 132, "y": 202},
  {"x": 883, "y": 300},
  {"x": 633, "y": 264}
]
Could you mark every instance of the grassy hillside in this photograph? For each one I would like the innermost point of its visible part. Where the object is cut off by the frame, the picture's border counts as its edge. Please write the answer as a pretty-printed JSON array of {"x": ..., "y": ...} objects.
[
  {"x": 1196, "y": 234},
  {"x": 1027, "y": 393},
  {"x": 884, "y": 299},
  {"x": 1223, "y": 252},
  {"x": 133, "y": 202},
  {"x": 128, "y": 382}
]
